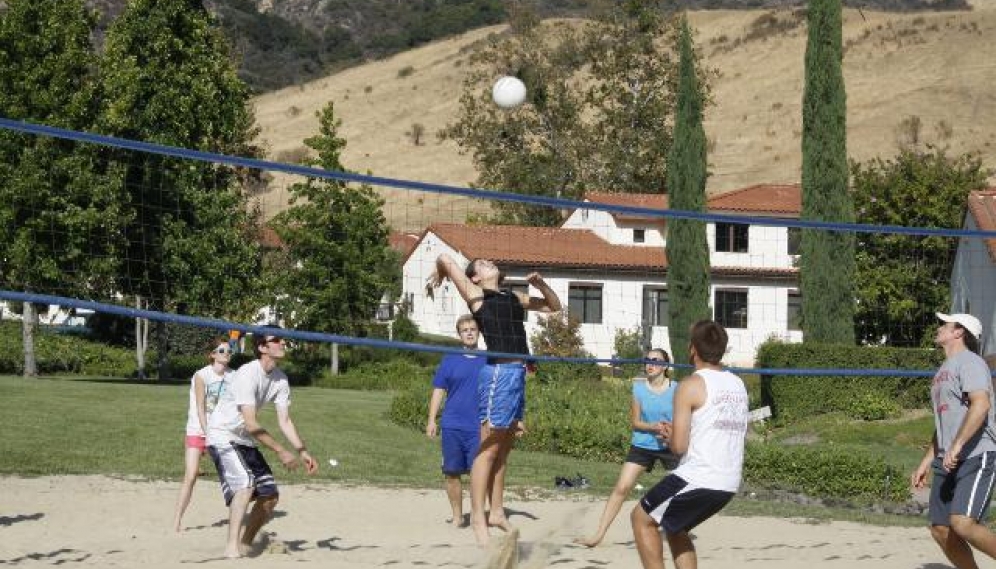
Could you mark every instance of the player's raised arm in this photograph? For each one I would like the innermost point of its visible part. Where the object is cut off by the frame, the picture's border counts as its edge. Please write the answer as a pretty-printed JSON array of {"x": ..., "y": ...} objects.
[
  {"x": 447, "y": 268},
  {"x": 548, "y": 303}
]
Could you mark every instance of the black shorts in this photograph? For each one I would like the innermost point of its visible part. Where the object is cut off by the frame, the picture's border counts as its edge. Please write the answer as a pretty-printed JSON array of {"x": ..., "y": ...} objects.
[
  {"x": 240, "y": 467},
  {"x": 647, "y": 458},
  {"x": 678, "y": 506}
]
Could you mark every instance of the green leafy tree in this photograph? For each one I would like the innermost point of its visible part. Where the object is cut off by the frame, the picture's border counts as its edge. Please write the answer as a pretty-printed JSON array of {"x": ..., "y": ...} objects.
[
  {"x": 597, "y": 110},
  {"x": 902, "y": 280},
  {"x": 169, "y": 79},
  {"x": 827, "y": 262},
  {"x": 558, "y": 335},
  {"x": 687, "y": 248},
  {"x": 339, "y": 264},
  {"x": 58, "y": 222}
]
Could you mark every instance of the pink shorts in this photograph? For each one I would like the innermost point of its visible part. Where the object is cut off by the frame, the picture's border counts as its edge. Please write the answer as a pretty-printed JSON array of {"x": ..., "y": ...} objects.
[{"x": 195, "y": 441}]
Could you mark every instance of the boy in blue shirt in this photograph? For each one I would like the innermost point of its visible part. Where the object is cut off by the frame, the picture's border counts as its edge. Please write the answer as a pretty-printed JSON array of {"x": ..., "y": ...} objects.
[{"x": 456, "y": 378}]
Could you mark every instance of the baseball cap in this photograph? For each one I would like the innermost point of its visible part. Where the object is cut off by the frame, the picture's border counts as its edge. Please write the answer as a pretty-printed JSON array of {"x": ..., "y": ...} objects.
[{"x": 967, "y": 322}]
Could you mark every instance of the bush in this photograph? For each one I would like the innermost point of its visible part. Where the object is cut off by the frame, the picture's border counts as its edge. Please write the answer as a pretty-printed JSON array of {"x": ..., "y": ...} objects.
[
  {"x": 857, "y": 397},
  {"x": 825, "y": 473},
  {"x": 396, "y": 374},
  {"x": 587, "y": 420},
  {"x": 63, "y": 354}
]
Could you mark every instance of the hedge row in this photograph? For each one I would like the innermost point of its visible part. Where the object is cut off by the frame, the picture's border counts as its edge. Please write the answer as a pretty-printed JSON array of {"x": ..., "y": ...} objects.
[
  {"x": 858, "y": 397},
  {"x": 590, "y": 420},
  {"x": 63, "y": 354}
]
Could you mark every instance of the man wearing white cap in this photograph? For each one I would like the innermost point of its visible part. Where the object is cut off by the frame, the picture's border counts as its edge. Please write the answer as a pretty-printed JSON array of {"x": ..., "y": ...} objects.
[{"x": 963, "y": 450}]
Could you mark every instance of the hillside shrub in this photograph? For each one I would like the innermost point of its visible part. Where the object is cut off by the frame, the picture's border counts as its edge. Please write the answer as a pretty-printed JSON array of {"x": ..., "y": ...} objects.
[
  {"x": 588, "y": 420},
  {"x": 397, "y": 374},
  {"x": 858, "y": 397},
  {"x": 63, "y": 354},
  {"x": 825, "y": 473}
]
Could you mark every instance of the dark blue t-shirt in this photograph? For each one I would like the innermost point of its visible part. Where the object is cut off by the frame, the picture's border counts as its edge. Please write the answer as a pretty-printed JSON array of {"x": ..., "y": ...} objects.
[{"x": 457, "y": 374}]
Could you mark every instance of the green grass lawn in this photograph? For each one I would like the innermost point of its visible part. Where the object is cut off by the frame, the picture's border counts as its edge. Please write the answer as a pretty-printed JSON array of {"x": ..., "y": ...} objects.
[{"x": 60, "y": 426}]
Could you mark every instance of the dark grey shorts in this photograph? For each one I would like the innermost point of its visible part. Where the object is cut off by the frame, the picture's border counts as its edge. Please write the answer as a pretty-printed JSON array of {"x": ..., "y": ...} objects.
[
  {"x": 965, "y": 492},
  {"x": 647, "y": 458}
]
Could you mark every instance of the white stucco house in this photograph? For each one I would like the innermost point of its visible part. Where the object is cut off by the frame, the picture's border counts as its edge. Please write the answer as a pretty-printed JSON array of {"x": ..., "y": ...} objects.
[
  {"x": 973, "y": 278},
  {"x": 610, "y": 269}
]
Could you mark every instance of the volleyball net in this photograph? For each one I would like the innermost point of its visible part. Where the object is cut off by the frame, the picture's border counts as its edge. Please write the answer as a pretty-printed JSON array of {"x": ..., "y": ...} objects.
[{"x": 137, "y": 230}]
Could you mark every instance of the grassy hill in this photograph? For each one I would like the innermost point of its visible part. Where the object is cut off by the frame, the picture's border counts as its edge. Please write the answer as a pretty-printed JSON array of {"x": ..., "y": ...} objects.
[{"x": 936, "y": 66}]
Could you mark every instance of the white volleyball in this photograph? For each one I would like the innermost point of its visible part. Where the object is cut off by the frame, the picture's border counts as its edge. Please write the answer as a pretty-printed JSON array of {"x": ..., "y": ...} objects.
[{"x": 508, "y": 92}]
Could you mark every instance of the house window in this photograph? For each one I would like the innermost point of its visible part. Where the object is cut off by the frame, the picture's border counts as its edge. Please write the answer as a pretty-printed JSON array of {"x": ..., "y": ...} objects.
[
  {"x": 639, "y": 235},
  {"x": 584, "y": 302},
  {"x": 518, "y": 287},
  {"x": 655, "y": 309},
  {"x": 794, "y": 240},
  {"x": 731, "y": 238},
  {"x": 730, "y": 308},
  {"x": 794, "y": 310}
]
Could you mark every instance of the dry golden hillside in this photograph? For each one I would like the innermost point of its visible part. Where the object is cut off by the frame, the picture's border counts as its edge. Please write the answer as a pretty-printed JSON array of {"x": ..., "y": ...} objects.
[{"x": 939, "y": 67}]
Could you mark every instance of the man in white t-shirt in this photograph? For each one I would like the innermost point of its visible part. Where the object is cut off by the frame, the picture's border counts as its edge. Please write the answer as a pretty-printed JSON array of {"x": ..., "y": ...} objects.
[
  {"x": 708, "y": 430},
  {"x": 233, "y": 432}
]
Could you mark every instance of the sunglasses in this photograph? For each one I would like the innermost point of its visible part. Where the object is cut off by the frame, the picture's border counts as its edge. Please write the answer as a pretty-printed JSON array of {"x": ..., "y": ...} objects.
[
  {"x": 274, "y": 340},
  {"x": 663, "y": 362},
  {"x": 222, "y": 350}
]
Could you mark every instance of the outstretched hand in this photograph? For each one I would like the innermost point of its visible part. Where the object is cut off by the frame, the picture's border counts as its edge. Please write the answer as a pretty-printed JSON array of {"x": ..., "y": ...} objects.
[{"x": 432, "y": 283}]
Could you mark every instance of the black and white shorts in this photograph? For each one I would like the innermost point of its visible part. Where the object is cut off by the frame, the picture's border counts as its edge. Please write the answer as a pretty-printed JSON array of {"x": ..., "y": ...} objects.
[
  {"x": 965, "y": 492},
  {"x": 240, "y": 467},
  {"x": 678, "y": 506}
]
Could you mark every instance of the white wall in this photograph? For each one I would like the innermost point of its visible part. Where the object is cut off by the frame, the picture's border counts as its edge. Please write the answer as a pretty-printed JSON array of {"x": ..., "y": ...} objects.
[{"x": 973, "y": 285}]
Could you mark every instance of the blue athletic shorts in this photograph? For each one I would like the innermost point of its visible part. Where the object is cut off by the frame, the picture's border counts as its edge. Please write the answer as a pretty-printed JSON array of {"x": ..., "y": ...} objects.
[
  {"x": 501, "y": 392},
  {"x": 459, "y": 449}
]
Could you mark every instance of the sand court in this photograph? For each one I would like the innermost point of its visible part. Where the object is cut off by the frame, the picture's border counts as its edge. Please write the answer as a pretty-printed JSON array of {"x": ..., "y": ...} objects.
[{"x": 92, "y": 521}]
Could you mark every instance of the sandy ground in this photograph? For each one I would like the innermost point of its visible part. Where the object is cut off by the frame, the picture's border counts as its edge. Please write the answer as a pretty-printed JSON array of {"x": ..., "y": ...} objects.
[{"x": 105, "y": 522}]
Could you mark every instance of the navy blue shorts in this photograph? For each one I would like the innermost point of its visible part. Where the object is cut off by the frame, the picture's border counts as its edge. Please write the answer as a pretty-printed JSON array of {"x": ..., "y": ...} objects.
[
  {"x": 647, "y": 458},
  {"x": 965, "y": 492},
  {"x": 501, "y": 390},
  {"x": 678, "y": 506},
  {"x": 459, "y": 449},
  {"x": 240, "y": 467}
]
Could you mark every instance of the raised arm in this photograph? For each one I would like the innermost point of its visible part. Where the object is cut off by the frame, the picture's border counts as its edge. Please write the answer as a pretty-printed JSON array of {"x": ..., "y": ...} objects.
[
  {"x": 447, "y": 268},
  {"x": 548, "y": 303}
]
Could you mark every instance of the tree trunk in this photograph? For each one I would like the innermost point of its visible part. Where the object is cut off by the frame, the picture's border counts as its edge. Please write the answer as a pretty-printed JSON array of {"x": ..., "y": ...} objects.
[
  {"x": 162, "y": 346},
  {"x": 29, "y": 321},
  {"x": 141, "y": 340},
  {"x": 334, "y": 364}
]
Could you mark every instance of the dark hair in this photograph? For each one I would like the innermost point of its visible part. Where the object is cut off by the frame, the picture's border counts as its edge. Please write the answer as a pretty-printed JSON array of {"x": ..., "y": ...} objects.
[
  {"x": 259, "y": 340},
  {"x": 471, "y": 271},
  {"x": 709, "y": 340},
  {"x": 971, "y": 342},
  {"x": 211, "y": 345}
]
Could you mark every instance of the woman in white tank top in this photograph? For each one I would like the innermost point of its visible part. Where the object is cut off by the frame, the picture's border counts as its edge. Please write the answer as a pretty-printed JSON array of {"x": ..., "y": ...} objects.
[{"x": 206, "y": 387}]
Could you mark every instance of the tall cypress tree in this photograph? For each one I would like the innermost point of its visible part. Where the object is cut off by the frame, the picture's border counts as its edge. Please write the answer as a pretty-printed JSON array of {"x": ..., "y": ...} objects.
[
  {"x": 170, "y": 79},
  {"x": 687, "y": 249},
  {"x": 58, "y": 222},
  {"x": 827, "y": 258}
]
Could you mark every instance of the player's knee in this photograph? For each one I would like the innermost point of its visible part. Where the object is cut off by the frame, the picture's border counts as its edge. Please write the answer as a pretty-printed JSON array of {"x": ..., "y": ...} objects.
[{"x": 961, "y": 525}]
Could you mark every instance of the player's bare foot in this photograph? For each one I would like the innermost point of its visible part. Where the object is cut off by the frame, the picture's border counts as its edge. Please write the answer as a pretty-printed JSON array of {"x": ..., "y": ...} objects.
[
  {"x": 233, "y": 554},
  {"x": 457, "y": 522},
  {"x": 481, "y": 533},
  {"x": 500, "y": 523},
  {"x": 588, "y": 541}
]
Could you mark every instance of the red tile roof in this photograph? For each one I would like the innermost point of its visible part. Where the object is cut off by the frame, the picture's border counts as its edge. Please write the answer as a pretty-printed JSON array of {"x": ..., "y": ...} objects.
[
  {"x": 565, "y": 248},
  {"x": 765, "y": 199},
  {"x": 403, "y": 243},
  {"x": 545, "y": 247},
  {"x": 982, "y": 206}
]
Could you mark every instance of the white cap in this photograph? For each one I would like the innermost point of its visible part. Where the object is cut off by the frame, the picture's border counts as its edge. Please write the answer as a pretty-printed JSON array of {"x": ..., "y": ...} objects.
[{"x": 967, "y": 322}]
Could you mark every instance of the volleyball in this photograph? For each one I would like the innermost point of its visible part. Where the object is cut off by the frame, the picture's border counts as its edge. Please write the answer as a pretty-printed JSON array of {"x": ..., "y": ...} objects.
[{"x": 508, "y": 92}]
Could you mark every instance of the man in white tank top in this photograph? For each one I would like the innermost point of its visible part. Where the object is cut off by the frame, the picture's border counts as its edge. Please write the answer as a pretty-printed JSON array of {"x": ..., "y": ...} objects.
[{"x": 708, "y": 431}]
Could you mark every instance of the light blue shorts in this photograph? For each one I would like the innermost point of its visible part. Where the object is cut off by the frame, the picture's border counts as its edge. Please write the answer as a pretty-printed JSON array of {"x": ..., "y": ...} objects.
[{"x": 501, "y": 390}]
